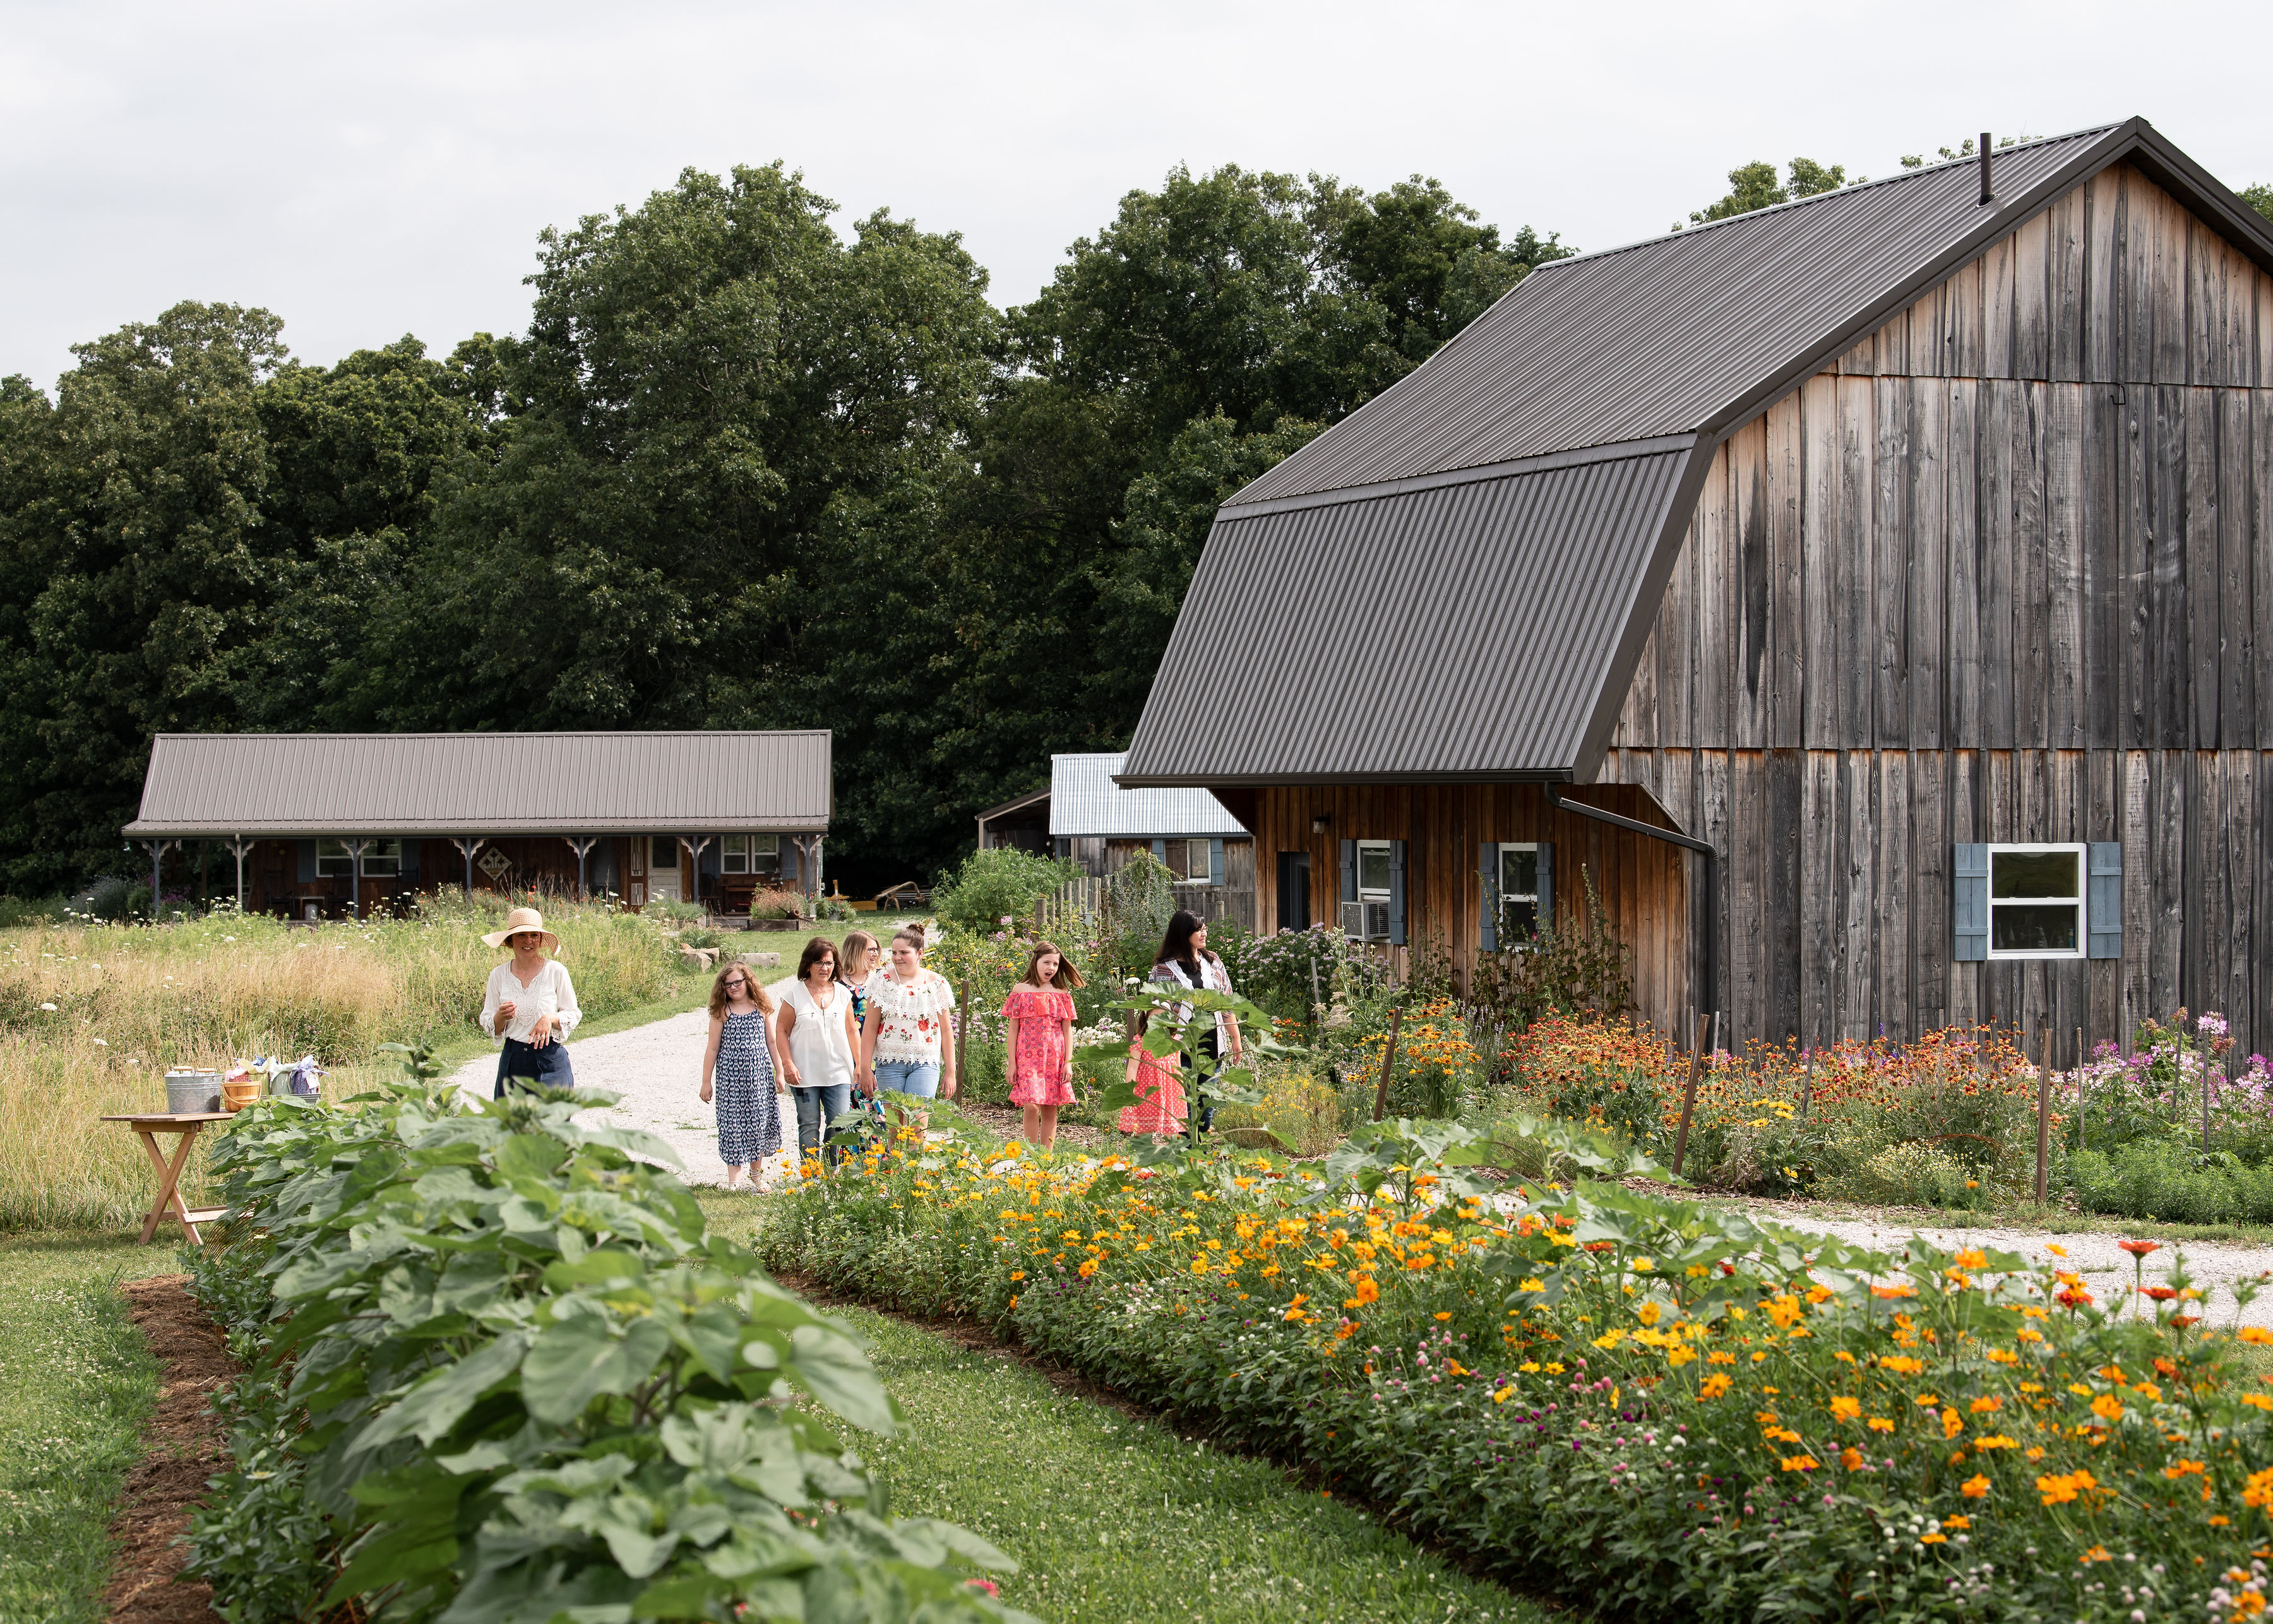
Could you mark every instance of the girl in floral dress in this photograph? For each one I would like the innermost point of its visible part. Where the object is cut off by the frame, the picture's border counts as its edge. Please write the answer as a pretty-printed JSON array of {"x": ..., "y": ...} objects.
[
  {"x": 740, "y": 1058},
  {"x": 1040, "y": 1014}
]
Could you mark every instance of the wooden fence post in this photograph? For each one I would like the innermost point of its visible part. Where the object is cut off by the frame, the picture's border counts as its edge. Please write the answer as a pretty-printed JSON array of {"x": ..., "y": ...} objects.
[
  {"x": 2044, "y": 1117},
  {"x": 1689, "y": 1093},
  {"x": 1807, "y": 1088},
  {"x": 1388, "y": 1060},
  {"x": 2078, "y": 1088}
]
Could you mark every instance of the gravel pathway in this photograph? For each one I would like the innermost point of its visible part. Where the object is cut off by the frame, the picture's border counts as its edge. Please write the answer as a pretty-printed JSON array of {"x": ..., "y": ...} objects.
[
  {"x": 657, "y": 1071},
  {"x": 2213, "y": 1265}
]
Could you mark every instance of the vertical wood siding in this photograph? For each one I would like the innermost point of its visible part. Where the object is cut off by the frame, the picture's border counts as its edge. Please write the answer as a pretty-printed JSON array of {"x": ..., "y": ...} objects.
[{"x": 1995, "y": 575}]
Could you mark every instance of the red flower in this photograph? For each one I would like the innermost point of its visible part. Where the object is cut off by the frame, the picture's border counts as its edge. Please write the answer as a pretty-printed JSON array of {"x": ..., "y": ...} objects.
[{"x": 2140, "y": 1248}]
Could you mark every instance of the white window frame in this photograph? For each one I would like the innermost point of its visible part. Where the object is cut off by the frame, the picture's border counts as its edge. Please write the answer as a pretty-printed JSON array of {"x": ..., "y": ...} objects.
[
  {"x": 734, "y": 854},
  {"x": 1199, "y": 862},
  {"x": 2082, "y": 852},
  {"x": 1508, "y": 939},
  {"x": 1372, "y": 897}
]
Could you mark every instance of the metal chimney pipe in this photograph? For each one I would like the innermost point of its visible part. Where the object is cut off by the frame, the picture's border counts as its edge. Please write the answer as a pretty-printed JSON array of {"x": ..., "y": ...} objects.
[{"x": 1986, "y": 191}]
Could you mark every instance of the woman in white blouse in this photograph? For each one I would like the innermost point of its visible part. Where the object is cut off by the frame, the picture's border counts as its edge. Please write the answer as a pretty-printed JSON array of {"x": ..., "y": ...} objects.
[{"x": 531, "y": 1003}]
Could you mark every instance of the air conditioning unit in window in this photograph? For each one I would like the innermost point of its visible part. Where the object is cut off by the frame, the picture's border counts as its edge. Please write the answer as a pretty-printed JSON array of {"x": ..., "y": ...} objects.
[{"x": 1365, "y": 921}]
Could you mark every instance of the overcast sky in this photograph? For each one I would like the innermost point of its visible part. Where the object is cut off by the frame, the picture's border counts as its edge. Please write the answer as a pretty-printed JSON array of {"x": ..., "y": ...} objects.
[{"x": 369, "y": 170}]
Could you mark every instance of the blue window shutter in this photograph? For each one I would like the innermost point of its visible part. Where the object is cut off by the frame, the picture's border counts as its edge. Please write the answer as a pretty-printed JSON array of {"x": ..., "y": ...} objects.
[
  {"x": 1546, "y": 885},
  {"x": 307, "y": 861},
  {"x": 1397, "y": 893},
  {"x": 2102, "y": 900},
  {"x": 1969, "y": 911},
  {"x": 1215, "y": 862},
  {"x": 410, "y": 857},
  {"x": 1349, "y": 871},
  {"x": 1160, "y": 850},
  {"x": 1488, "y": 883}
]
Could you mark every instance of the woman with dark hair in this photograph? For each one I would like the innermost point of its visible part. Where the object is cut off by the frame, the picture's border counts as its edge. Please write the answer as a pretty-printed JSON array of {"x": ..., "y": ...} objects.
[
  {"x": 1184, "y": 961},
  {"x": 816, "y": 1029}
]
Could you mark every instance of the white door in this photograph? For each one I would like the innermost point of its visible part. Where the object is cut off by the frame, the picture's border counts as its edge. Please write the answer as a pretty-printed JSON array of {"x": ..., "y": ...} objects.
[{"x": 662, "y": 868}]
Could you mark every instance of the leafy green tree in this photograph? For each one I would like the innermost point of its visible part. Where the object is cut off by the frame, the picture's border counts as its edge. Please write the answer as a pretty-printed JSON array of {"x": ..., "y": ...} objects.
[
  {"x": 1754, "y": 185},
  {"x": 2259, "y": 198}
]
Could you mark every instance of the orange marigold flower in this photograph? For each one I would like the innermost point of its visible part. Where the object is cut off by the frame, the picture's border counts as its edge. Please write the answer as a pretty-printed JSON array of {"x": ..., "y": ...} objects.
[{"x": 1975, "y": 1487}]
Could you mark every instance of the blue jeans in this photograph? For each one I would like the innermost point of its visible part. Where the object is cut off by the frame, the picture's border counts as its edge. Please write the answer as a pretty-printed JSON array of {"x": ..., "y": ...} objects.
[
  {"x": 919, "y": 1077},
  {"x": 817, "y": 1109},
  {"x": 547, "y": 1066}
]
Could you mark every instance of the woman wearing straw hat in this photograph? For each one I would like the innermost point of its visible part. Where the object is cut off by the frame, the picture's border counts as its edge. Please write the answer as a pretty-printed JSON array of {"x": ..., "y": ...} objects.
[{"x": 531, "y": 1004}]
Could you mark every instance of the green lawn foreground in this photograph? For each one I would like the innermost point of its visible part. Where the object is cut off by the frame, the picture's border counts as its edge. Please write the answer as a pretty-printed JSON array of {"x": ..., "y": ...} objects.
[
  {"x": 1116, "y": 1519},
  {"x": 76, "y": 1384}
]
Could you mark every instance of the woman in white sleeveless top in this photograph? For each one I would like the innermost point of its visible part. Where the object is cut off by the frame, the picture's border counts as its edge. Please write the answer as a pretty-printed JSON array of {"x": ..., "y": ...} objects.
[{"x": 816, "y": 1025}]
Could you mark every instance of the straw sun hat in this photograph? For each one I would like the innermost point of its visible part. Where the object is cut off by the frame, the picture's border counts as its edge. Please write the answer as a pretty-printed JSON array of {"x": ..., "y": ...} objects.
[{"x": 519, "y": 920}]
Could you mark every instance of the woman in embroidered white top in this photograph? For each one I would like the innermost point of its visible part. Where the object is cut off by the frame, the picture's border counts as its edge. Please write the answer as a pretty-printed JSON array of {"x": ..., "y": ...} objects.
[
  {"x": 531, "y": 1003},
  {"x": 905, "y": 1045}
]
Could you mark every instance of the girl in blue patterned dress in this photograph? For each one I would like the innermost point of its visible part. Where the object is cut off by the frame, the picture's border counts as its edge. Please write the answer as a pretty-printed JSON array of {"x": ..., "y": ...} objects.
[{"x": 740, "y": 1057}]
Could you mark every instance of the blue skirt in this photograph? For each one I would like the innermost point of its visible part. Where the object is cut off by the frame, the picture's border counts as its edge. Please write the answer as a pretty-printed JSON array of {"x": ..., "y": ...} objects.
[{"x": 547, "y": 1066}]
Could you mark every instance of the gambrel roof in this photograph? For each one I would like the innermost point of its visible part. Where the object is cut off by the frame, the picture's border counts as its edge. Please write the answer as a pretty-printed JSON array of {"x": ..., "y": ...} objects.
[{"x": 1453, "y": 583}]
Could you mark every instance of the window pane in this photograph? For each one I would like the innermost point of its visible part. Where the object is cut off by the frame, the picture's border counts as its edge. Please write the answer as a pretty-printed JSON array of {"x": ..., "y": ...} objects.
[
  {"x": 1373, "y": 866},
  {"x": 1518, "y": 920},
  {"x": 2033, "y": 929},
  {"x": 663, "y": 851},
  {"x": 332, "y": 859},
  {"x": 1518, "y": 872},
  {"x": 2033, "y": 873},
  {"x": 1202, "y": 861},
  {"x": 383, "y": 858},
  {"x": 737, "y": 846},
  {"x": 768, "y": 844}
]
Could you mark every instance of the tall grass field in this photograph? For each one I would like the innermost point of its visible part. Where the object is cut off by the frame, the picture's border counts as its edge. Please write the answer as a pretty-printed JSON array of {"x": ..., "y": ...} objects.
[{"x": 91, "y": 1017}]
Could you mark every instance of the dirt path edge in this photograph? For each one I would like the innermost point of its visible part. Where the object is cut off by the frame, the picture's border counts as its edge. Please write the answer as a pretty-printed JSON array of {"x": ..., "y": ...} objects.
[{"x": 181, "y": 1446}]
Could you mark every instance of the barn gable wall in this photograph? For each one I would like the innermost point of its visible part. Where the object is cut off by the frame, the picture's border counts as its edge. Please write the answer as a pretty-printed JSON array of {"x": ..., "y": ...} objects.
[{"x": 1996, "y": 573}]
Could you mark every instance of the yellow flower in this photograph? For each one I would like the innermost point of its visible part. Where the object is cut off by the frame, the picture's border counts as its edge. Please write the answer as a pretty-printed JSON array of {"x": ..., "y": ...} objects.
[
  {"x": 1799, "y": 1463},
  {"x": 1018, "y": 1274},
  {"x": 1846, "y": 1408},
  {"x": 1952, "y": 1424},
  {"x": 2107, "y": 1406},
  {"x": 1647, "y": 1313},
  {"x": 1533, "y": 1284}
]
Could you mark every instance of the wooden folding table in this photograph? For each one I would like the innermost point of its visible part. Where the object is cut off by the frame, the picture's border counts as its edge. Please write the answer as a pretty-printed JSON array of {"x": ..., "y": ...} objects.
[{"x": 147, "y": 1127}]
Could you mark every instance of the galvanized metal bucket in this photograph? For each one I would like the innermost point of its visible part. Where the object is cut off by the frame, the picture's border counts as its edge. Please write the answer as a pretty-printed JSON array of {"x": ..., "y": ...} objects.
[{"x": 189, "y": 1093}]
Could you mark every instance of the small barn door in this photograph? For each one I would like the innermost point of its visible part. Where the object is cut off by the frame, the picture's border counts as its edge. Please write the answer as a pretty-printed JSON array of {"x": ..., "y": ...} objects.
[
  {"x": 1293, "y": 890},
  {"x": 635, "y": 871}
]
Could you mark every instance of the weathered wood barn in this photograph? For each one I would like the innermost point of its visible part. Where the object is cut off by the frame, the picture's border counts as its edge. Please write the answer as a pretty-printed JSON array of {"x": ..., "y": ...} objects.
[
  {"x": 325, "y": 825},
  {"x": 1904, "y": 546}
]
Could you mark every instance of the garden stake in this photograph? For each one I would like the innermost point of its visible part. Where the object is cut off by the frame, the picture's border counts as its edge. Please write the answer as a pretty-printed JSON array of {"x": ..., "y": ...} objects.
[
  {"x": 1807, "y": 1088},
  {"x": 1388, "y": 1059},
  {"x": 2080, "y": 1112},
  {"x": 1689, "y": 1094},
  {"x": 2043, "y": 1119}
]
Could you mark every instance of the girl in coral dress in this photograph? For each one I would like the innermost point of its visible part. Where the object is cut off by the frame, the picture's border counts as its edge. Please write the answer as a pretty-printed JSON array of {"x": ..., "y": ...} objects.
[{"x": 1041, "y": 1016}]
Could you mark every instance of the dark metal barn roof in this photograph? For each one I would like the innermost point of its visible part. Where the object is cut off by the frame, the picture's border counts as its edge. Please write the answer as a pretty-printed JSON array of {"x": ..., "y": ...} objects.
[{"x": 1454, "y": 581}]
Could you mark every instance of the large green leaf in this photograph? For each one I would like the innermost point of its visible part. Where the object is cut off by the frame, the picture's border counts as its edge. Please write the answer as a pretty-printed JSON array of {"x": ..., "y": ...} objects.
[
  {"x": 435, "y": 1405},
  {"x": 833, "y": 1368},
  {"x": 573, "y": 1360}
]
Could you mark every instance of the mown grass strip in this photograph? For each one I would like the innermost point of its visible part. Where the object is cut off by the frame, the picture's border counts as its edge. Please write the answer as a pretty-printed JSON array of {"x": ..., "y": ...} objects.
[
  {"x": 76, "y": 1384},
  {"x": 1118, "y": 1521}
]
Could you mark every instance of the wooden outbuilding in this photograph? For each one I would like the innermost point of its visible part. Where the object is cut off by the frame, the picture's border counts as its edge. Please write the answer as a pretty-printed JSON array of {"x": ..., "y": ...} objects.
[
  {"x": 329, "y": 825},
  {"x": 1898, "y": 552}
]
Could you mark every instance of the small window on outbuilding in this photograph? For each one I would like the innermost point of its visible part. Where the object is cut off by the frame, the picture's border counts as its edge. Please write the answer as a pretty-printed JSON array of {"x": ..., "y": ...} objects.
[
  {"x": 2036, "y": 902},
  {"x": 381, "y": 860}
]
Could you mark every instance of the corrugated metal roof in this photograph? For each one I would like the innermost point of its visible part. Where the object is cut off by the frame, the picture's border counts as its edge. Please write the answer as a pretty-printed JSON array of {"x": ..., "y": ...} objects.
[
  {"x": 1461, "y": 631},
  {"x": 1700, "y": 329},
  {"x": 1085, "y": 802},
  {"x": 466, "y": 784}
]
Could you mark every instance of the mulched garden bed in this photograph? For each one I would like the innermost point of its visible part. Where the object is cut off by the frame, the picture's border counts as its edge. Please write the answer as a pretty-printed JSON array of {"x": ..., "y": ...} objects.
[{"x": 183, "y": 1445}]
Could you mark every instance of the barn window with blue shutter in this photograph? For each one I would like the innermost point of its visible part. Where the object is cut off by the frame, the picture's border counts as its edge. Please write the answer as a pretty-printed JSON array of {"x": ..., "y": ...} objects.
[
  {"x": 1373, "y": 878},
  {"x": 1215, "y": 862},
  {"x": 1487, "y": 885},
  {"x": 1516, "y": 879},
  {"x": 1397, "y": 877}
]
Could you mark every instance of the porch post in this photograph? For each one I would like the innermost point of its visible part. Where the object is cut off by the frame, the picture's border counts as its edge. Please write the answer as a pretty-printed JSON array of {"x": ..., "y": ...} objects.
[
  {"x": 468, "y": 844},
  {"x": 356, "y": 846},
  {"x": 239, "y": 846},
  {"x": 158, "y": 849},
  {"x": 582, "y": 848}
]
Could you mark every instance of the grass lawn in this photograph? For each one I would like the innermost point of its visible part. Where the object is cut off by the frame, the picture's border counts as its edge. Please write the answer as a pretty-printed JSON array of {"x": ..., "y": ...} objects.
[
  {"x": 76, "y": 1384},
  {"x": 1114, "y": 1519}
]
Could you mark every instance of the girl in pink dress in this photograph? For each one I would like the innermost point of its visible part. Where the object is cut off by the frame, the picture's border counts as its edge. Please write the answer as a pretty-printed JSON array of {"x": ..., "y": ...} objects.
[{"x": 1040, "y": 1014}]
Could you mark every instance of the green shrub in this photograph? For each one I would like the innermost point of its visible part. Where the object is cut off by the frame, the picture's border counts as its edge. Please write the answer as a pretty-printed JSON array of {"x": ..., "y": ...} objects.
[
  {"x": 1001, "y": 882},
  {"x": 2157, "y": 1178},
  {"x": 1912, "y": 1174},
  {"x": 1139, "y": 899},
  {"x": 500, "y": 1370},
  {"x": 1300, "y": 1111}
]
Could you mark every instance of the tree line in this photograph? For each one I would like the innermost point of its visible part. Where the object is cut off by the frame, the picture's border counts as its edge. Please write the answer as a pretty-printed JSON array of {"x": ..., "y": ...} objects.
[{"x": 741, "y": 471}]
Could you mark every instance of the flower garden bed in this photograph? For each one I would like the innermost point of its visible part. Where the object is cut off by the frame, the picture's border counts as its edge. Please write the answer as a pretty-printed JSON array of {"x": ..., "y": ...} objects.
[{"x": 1637, "y": 1401}]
